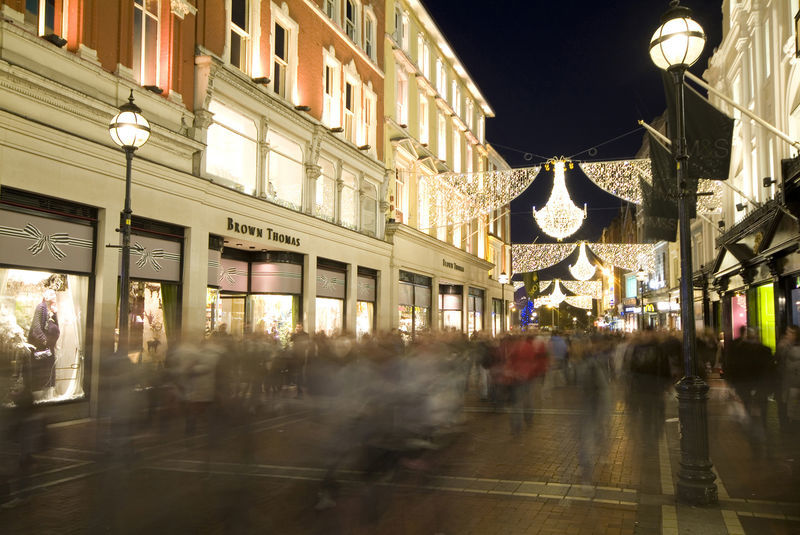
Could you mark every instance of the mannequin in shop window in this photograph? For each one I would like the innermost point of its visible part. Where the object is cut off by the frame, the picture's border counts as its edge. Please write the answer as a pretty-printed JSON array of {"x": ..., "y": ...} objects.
[{"x": 43, "y": 335}]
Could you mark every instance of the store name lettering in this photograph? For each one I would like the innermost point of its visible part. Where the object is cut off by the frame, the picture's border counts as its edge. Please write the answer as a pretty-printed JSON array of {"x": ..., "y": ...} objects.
[
  {"x": 257, "y": 232},
  {"x": 452, "y": 265}
]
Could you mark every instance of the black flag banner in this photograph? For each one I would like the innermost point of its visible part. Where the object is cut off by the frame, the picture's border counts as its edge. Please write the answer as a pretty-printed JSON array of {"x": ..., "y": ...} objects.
[
  {"x": 531, "y": 281},
  {"x": 708, "y": 133}
]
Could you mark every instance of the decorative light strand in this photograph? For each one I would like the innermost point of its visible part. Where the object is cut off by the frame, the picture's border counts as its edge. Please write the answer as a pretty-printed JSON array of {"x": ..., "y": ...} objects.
[
  {"x": 583, "y": 269},
  {"x": 557, "y": 297},
  {"x": 580, "y": 301},
  {"x": 592, "y": 288},
  {"x": 629, "y": 256},
  {"x": 534, "y": 257},
  {"x": 457, "y": 198},
  {"x": 560, "y": 217},
  {"x": 621, "y": 178}
]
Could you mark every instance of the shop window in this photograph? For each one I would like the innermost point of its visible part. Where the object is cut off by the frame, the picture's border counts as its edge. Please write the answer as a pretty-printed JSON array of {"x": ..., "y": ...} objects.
[
  {"x": 232, "y": 148},
  {"x": 365, "y": 319},
  {"x": 145, "y": 41},
  {"x": 365, "y": 304},
  {"x": 738, "y": 313},
  {"x": 474, "y": 311},
  {"x": 369, "y": 209},
  {"x": 349, "y": 200},
  {"x": 284, "y": 171},
  {"x": 154, "y": 317},
  {"x": 414, "y": 304},
  {"x": 498, "y": 315},
  {"x": 240, "y": 35},
  {"x": 274, "y": 315},
  {"x": 450, "y": 308},
  {"x": 46, "y": 309},
  {"x": 325, "y": 198},
  {"x": 330, "y": 316}
]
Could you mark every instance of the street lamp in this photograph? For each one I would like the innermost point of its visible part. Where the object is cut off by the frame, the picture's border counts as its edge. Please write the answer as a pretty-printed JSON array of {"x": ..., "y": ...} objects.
[
  {"x": 641, "y": 276},
  {"x": 674, "y": 47},
  {"x": 503, "y": 280},
  {"x": 129, "y": 130}
]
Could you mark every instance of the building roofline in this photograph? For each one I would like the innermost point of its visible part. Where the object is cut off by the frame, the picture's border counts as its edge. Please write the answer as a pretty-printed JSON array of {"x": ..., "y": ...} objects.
[{"x": 430, "y": 25}]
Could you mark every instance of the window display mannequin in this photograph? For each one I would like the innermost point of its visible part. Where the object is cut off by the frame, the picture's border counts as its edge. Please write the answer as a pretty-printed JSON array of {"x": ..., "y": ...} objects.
[{"x": 43, "y": 335}]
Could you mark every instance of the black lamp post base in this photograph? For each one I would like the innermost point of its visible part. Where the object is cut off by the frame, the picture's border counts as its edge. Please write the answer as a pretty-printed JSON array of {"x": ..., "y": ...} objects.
[{"x": 695, "y": 479}]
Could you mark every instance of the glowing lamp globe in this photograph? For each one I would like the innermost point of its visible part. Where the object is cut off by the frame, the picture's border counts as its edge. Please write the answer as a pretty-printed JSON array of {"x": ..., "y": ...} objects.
[
  {"x": 679, "y": 41},
  {"x": 129, "y": 129}
]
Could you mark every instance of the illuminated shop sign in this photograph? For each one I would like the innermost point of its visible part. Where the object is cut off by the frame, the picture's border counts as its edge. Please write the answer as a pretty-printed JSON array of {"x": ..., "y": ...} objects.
[{"x": 258, "y": 232}]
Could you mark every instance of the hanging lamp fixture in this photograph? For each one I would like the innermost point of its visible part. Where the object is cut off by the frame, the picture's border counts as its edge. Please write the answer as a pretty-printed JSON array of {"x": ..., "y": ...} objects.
[
  {"x": 560, "y": 217},
  {"x": 583, "y": 270}
]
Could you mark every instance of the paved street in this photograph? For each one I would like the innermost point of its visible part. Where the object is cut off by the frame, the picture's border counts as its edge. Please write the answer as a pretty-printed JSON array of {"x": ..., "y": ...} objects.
[{"x": 263, "y": 476}]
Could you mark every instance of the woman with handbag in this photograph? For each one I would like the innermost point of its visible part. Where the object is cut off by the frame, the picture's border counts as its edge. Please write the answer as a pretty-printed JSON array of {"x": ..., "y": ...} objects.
[{"x": 43, "y": 335}]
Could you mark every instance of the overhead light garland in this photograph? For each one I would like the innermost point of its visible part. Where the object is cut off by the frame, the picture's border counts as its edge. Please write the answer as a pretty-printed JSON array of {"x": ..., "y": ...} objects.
[
  {"x": 583, "y": 269},
  {"x": 560, "y": 217},
  {"x": 629, "y": 256},
  {"x": 580, "y": 301},
  {"x": 456, "y": 198},
  {"x": 621, "y": 178},
  {"x": 593, "y": 288},
  {"x": 533, "y": 257}
]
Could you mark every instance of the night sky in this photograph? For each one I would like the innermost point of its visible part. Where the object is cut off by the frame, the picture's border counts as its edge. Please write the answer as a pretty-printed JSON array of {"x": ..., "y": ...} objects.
[{"x": 564, "y": 77}]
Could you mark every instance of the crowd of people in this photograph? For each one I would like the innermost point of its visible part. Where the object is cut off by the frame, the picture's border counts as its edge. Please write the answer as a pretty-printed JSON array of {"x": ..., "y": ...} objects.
[{"x": 391, "y": 404}]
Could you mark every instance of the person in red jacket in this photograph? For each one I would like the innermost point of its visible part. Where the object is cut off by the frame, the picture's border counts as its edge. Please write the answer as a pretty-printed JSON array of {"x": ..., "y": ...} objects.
[{"x": 526, "y": 362}]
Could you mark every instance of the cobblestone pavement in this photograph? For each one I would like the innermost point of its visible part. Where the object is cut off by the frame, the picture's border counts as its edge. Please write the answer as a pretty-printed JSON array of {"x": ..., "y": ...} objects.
[{"x": 264, "y": 477}]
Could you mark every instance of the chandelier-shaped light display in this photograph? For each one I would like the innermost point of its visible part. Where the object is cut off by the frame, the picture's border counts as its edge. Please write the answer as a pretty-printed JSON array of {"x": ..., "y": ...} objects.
[
  {"x": 560, "y": 217},
  {"x": 557, "y": 296},
  {"x": 583, "y": 270},
  {"x": 537, "y": 256}
]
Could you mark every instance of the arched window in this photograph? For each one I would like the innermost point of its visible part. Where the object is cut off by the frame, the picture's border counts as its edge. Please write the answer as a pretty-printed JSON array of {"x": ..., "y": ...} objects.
[
  {"x": 349, "y": 200},
  {"x": 325, "y": 202},
  {"x": 231, "y": 153},
  {"x": 284, "y": 171},
  {"x": 369, "y": 209}
]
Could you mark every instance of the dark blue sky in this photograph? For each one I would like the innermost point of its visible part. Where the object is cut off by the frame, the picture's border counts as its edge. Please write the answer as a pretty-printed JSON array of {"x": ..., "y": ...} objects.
[{"x": 564, "y": 77}]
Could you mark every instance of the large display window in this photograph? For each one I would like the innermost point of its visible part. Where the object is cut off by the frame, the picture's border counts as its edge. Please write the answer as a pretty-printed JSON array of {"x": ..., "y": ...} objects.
[
  {"x": 231, "y": 314},
  {"x": 154, "y": 311},
  {"x": 366, "y": 295},
  {"x": 414, "y": 307},
  {"x": 474, "y": 311},
  {"x": 42, "y": 332},
  {"x": 498, "y": 316},
  {"x": 47, "y": 257},
  {"x": 450, "y": 307},
  {"x": 738, "y": 313},
  {"x": 331, "y": 286},
  {"x": 274, "y": 315},
  {"x": 330, "y": 315}
]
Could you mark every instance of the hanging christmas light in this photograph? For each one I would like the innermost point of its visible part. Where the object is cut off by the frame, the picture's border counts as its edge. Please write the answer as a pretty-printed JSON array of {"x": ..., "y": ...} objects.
[
  {"x": 559, "y": 218},
  {"x": 557, "y": 297},
  {"x": 593, "y": 288},
  {"x": 580, "y": 301},
  {"x": 583, "y": 269},
  {"x": 535, "y": 257},
  {"x": 629, "y": 256}
]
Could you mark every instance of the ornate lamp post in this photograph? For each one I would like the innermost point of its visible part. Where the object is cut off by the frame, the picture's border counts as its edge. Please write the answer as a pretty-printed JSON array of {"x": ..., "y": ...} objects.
[
  {"x": 641, "y": 276},
  {"x": 674, "y": 47},
  {"x": 503, "y": 280},
  {"x": 129, "y": 130}
]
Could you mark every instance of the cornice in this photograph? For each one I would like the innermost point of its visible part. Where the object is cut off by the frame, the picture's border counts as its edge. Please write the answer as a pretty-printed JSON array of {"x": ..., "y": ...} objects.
[
  {"x": 46, "y": 92},
  {"x": 429, "y": 242}
]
